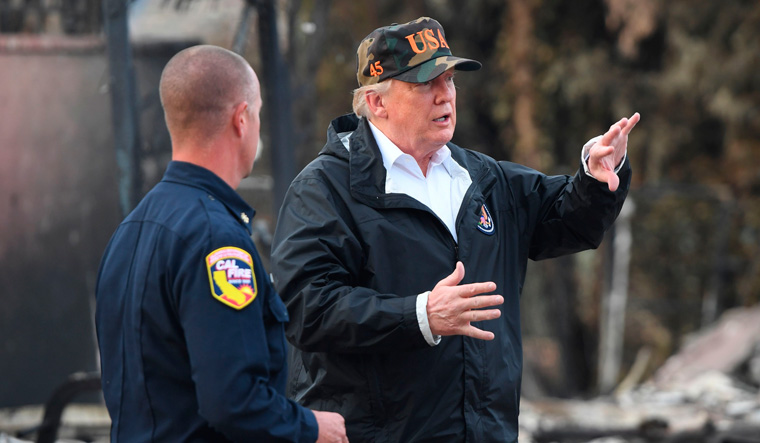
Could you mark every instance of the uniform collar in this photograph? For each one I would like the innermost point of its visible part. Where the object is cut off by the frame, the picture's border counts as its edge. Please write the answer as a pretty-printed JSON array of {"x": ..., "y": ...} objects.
[{"x": 201, "y": 178}]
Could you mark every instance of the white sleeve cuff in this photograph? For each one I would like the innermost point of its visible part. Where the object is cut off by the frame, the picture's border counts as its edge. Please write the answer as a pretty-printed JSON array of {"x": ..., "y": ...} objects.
[
  {"x": 585, "y": 155},
  {"x": 422, "y": 320}
]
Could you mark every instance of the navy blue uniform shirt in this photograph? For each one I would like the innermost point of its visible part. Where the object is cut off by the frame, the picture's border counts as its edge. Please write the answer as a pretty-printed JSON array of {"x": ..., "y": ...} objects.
[{"x": 190, "y": 330}]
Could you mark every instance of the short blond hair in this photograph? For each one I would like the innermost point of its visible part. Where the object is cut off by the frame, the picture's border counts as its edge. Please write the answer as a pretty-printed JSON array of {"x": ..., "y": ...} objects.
[
  {"x": 361, "y": 109},
  {"x": 200, "y": 85}
]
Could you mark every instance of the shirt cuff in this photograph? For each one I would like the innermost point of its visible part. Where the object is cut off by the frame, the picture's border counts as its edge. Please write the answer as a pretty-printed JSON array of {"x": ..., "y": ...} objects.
[
  {"x": 422, "y": 320},
  {"x": 585, "y": 155}
]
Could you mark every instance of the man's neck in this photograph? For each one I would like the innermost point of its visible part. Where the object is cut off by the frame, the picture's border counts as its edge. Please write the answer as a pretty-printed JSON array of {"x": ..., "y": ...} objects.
[
  {"x": 422, "y": 159},
  {"x": 212, "y": 159}
]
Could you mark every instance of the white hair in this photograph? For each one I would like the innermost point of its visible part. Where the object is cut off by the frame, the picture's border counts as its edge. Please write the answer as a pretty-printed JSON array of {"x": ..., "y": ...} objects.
[{"x": 360, "y": 97}]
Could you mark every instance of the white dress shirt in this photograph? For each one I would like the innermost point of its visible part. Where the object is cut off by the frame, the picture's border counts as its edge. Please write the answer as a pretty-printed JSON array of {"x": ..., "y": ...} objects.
[{"x": 442, "y": 190}]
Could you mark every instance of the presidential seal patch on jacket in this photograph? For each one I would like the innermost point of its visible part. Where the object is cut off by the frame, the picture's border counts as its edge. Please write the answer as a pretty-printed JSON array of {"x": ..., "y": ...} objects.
[
  {"x": 485, "y": 223},
  {"x": 230, "y": 273}
]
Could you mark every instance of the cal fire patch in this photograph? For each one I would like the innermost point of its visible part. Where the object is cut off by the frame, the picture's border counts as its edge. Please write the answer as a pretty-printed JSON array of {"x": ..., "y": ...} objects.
[{"x": 230, "y": 272}]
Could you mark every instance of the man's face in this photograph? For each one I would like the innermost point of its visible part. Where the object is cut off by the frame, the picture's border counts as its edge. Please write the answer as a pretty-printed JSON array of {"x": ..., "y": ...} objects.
[{"x": 421, "y": 116}]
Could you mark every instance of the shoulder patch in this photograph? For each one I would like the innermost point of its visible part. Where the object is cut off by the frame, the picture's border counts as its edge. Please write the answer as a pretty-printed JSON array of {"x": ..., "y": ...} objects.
[
  {"x": 231, "y": 275},
  {"x": 485, "y": 222}
]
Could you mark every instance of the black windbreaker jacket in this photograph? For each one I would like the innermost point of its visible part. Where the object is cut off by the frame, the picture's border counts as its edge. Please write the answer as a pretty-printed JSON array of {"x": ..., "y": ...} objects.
[{"x": 349, "y": 261}]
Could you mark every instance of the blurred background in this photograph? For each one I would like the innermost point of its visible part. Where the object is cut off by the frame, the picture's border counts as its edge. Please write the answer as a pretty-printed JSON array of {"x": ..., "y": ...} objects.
[{"x": 667, "y": 302}]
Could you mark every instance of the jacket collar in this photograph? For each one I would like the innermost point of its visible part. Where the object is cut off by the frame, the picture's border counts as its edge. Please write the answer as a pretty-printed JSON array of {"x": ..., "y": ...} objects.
[
  {"x": 201, "y": 178},
  {"x": 366, "y": 170}
]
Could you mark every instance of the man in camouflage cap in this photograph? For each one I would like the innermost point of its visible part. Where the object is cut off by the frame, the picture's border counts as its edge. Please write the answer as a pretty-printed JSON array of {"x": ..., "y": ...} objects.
[{"x": 369, "y": 233}]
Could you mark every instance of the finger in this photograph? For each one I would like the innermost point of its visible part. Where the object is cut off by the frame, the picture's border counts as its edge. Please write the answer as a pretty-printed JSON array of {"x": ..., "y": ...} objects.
[
  {"x": 480, "y": 334},
  {"x": 622, "y": 123},
  {"x": 610, "y": 135},
  {"x": 473, "y": 289},
  {"x": 483, "y": 301},
  {"x": 631, "y": 123},
  {"x": 599, "y": 160},
  {"x": 598, "y": 152},
  {"x": 483, "y": 315},
  {"x": 454, "y": 278}
]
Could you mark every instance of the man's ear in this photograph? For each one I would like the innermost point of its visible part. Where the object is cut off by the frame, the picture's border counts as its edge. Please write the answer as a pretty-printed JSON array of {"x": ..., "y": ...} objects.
[
  {"x": 376, "y": 104},
  {"x": 240, "y": 118}
]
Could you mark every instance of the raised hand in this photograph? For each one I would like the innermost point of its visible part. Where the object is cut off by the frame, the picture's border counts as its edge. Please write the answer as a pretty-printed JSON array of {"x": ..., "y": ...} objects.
[{"x": 606, "y": 154}]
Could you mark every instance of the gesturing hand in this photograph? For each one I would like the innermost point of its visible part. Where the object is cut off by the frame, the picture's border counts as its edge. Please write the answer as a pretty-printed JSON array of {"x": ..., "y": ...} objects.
[
  {"x": 452, "y": 308},
  {"x": 606, "y": 154}
]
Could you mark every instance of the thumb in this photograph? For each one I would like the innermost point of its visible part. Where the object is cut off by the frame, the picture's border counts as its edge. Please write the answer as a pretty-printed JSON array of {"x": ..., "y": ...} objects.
[
  {"x": 612, "y": 181},
  {"x": 454, "y": 278}
]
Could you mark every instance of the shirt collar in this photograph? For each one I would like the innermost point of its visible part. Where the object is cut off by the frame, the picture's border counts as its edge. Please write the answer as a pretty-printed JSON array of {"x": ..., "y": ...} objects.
[
  {"x": 195, "y": 176},
  {"x": 391, "y": 152}
]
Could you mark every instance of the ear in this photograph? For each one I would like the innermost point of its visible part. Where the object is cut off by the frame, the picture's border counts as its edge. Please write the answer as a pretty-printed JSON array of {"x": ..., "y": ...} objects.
[
  {"x": 376, "y": 104},
  {"x": 240, "y": 118}
]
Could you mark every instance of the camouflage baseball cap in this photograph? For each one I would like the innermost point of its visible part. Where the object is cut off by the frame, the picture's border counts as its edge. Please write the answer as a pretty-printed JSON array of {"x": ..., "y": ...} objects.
[{"x": 414, "y": 52}]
